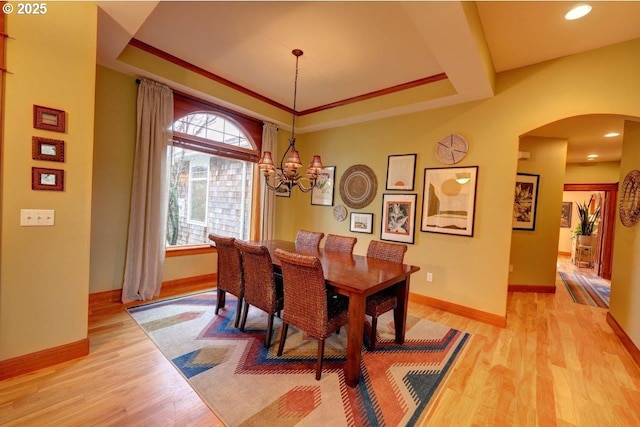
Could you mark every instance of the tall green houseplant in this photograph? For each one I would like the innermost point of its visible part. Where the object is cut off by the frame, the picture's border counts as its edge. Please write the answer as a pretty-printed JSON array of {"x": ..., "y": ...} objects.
[{"x": 586, "y": 220}]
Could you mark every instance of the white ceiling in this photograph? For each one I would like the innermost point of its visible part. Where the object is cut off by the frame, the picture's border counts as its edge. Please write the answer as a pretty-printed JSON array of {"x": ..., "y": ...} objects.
[{"x": 357, "y": 48}]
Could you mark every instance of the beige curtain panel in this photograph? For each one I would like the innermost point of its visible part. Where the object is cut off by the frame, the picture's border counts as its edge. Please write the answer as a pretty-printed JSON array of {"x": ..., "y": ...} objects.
[
  {"x": 269, "y": 143},
  {"x": 149, "y": 196}
]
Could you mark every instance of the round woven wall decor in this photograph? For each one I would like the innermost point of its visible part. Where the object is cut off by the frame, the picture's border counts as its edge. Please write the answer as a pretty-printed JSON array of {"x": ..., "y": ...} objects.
[
  {"x": 358, "y": 186},
  {"x": 629, "y": 206}
]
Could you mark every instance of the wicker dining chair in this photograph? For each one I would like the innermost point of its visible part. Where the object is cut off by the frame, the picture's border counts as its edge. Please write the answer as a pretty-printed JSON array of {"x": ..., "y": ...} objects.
[
  {"x": 340, "y": 243},
  {"x": 261, "y": 288},
  {"x": 309, "y": 238},
  {"x": 230, "y": 278},
  {"x": 385, "y": 300},
  {"x": 308, "y": 305}
]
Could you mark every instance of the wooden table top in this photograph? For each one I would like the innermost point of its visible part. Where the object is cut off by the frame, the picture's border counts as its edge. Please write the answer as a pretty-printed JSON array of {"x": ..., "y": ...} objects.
[{"x": 356, "y": 274}]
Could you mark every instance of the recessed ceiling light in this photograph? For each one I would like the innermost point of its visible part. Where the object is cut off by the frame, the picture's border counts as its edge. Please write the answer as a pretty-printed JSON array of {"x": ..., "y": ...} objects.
[
  {"x": 592, "y": 156},
  {"x": 611, "y": 134},
  {"x": 578, "y": 12}
]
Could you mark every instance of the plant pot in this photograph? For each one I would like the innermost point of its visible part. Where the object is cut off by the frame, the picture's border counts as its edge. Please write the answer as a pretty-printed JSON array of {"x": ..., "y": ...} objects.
[{"x": 584, "y": 240}]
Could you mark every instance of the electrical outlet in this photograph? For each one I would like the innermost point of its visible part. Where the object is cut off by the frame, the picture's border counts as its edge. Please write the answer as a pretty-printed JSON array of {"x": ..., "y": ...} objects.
[
  {"x": 429, "y": 277},
  {"x": 510, "y": 268}
]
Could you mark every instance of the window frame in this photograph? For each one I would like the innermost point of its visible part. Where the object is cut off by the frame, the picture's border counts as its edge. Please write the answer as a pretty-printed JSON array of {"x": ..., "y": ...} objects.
[{"x": 185, "y": 104}]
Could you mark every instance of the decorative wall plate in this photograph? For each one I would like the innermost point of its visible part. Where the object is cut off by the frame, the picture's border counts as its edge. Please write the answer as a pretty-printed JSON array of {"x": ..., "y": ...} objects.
[
  {"x": 358, "y": 186},
  {"x": 630, "y": 199},
  {"x": 339, "y": 213},
  {"x": 451, "y": 149}
]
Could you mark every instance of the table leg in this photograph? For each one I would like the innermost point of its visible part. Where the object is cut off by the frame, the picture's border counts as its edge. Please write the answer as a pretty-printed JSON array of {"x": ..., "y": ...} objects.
[
  {"x": 354, "y": 340},
  {"x": 400, "y": 313}
]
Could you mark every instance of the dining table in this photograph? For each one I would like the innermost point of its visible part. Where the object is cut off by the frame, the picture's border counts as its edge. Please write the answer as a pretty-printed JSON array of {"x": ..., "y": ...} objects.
[{"x": 356, "y": 277}]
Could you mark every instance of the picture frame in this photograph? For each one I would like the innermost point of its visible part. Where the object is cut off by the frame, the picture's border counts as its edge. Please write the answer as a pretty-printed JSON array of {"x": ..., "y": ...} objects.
[
  {"x": 47, "y": 149},
  {"x": 47, "y": 179},
  {"x": 398, "y": 217},
  {"x": 49, "y": 118},
  {"x": 401, "y": 171},
  {"x": 565, "y": 215},
  {"x": 525, "y": 201},
  {"x": 322, "y": 193},
  {"x": 361, "y": 222},
  {"x": 283, "y": 190},
  {"x": 449, "y": 200}
]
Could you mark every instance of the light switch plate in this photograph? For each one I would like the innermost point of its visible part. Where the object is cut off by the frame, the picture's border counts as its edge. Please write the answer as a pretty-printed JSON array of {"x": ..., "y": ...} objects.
[{"x": 37, "y": 217}]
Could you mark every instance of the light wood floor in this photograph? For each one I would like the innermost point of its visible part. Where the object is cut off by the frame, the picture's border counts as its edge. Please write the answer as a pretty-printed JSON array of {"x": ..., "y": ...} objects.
[{"x": 556, "y": 363}]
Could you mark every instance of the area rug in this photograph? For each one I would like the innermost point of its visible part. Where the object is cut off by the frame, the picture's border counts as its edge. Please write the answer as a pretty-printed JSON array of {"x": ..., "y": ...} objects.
[
  {"x": 247, "y": 385},
  {"x": 587, "y": 290}
]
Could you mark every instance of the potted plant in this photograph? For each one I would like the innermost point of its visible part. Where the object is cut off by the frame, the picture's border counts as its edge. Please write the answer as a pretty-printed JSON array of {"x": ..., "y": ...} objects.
[{"x": 586, "y": 222}]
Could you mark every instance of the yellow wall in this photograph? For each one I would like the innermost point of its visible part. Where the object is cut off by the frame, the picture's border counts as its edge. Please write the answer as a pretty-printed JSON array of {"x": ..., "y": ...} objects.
[
  {"x": 115, "y": 133},
  {"x": 534, "y": 252},
  {"x": 45, "y": 270},
  {"x": 592, "y": 173},
  {"x": 473, "y": 272},
  {"x": 625, "y": 277}
]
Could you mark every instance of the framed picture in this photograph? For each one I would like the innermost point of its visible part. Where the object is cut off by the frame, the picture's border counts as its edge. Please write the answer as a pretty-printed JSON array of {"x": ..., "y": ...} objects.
[
  {"x": 47, "y": 149},
  {"x": 283, "y": 190},
  {"x": 565, "y": 216},
  {"x": 48, "y": 118},
  {"x": 449, "y": 200},
  {"x": 322, "y": 193},
  {"x": 398, "y": 217},
  {"x": 401, "y": 172},
  {"x": 47, "y": 179},
  {"x": 361, "y": 222},
  {"x": 525, "y": 201}
]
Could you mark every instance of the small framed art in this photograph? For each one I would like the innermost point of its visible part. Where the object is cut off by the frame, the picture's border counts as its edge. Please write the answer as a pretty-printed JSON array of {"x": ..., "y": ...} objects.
[
  {"x": 322, "y": 193},
  {"x": 401, "y": 172},
  {"x": 449, "y": 200},
  {"x": 565, "y": 216},
  {"x": 525, "y": 201},
  {"x": 47, "y": 149},
  {"x": 47, "y": 179},
  {"x": 48, "y": 118},
  {"x": 398, "y": 217},
  {"x": 361, "y": 222}
]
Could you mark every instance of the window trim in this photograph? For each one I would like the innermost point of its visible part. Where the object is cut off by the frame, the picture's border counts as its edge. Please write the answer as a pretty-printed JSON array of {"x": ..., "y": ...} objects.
[
  {"x": 185, "y": 104},
  {"x": 206, "y": 178}
]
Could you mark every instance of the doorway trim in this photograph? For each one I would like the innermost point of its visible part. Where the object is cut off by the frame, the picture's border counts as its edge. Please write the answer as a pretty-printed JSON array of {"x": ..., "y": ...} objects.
[{"x": 605, "y": 239}]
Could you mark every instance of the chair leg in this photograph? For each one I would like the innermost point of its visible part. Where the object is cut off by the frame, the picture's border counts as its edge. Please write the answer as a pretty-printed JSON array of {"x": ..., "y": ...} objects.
[
  {"x": 220, "y": 296},
  {"x": 283, "y": 337},
  {"x": 267, "y": 338},
  {"x": 238, "y": 311},
  {"x": 244, "y": 316},
  {"x": 374, "y": 329},
  {"x": 320, "y": 357}
]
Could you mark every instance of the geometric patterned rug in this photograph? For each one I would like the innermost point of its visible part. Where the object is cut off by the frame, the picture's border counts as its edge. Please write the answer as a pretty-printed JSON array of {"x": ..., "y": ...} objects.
[
  {"x": 248, "y": 385},
  {"x": 587, "y": 290}
]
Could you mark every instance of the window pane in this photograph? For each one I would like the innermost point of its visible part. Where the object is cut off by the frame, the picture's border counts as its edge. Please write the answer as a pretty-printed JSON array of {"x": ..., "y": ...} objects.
[
  {"x": 213, "y": 128},
  {"x": 198, "y": 201},
  {"x": 208, "y": 194}
]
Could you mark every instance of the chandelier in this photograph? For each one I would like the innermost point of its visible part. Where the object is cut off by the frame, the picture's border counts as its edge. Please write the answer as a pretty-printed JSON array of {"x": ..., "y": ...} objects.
[{"x": 287, "y": 175}]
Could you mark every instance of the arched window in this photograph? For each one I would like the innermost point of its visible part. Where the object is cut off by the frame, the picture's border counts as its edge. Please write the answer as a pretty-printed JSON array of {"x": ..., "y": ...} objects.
[{"x": 210, "y": 188}]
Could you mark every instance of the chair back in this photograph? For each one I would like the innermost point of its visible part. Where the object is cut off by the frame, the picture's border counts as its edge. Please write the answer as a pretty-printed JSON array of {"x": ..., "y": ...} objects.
[
  {"x": 337, "y": 243},
  {"x": 230, "y": 277},
  {"x": 386, "y": 251},
  {"x": 305, "y": 293},
  {"x": 309, "y": 238},
  {"x": 259, "y": 283}
]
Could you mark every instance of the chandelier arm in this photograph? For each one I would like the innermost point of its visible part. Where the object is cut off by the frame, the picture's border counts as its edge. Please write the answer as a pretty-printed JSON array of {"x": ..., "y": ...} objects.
[{"x": 279, "y": 181}]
